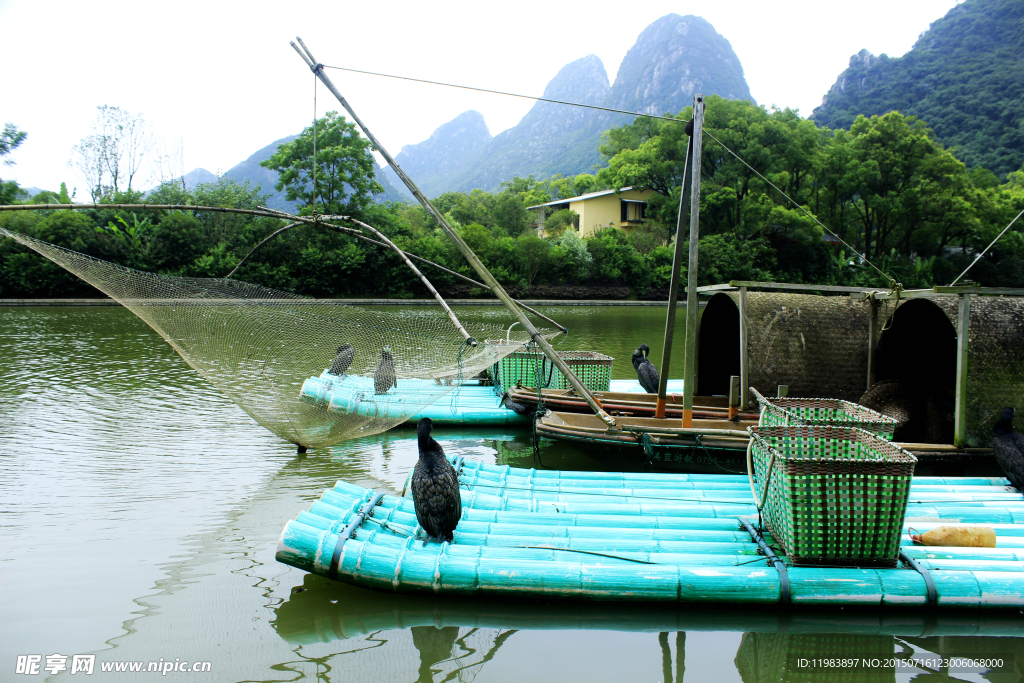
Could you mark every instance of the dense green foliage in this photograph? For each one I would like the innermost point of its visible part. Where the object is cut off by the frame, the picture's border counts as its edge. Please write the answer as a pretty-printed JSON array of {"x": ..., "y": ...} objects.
[
  {"x": 965, "y": 77},
  {"x": 885, "y": 187}
]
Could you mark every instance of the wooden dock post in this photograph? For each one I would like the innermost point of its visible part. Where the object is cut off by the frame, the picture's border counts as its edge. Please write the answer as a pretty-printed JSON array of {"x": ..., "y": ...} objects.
[
  {"x": 690, "y": 362},
  {"x": 872, "y": 340},
  {"x": 673, "y": 290},
  {"x": 744, "y": 360},
  {"x": 963, "y": 326}
]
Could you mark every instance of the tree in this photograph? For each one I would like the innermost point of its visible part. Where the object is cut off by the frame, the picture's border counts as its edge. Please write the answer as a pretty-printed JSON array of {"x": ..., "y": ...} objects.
[
  {"x": 10, "y": 139},
  {"x": 109, "y": 158},
  {"x": 343, "y": 169}
]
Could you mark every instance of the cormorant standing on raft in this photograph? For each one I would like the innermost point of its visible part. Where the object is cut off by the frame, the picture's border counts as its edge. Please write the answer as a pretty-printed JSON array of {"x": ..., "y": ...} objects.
[
  {"x": 346, "y": 353},
  {"x": 435, "y": 488},
  {"x": 645, "y": 370},
  {"x": 1008, "y": 447},
  {"x": 384, "y": 378}
]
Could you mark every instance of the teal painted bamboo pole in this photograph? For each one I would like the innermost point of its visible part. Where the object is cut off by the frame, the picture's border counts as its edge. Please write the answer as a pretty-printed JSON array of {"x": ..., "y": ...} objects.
[{"x": 480, "y": 570}]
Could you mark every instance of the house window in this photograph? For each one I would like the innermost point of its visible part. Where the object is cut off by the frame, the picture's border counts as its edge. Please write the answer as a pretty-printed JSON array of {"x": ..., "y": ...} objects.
[{"x": 632, "y": 211}]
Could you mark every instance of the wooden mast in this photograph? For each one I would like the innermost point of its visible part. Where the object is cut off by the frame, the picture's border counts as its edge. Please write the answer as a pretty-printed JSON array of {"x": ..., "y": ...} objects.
[
  {"x": 673, "y": 290},
  {"x": 495, "y": 287},
  {"x": 690, "y": 362}
]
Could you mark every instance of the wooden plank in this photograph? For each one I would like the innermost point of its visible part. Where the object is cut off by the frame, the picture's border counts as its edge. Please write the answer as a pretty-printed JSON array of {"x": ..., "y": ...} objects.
[
  {"x": 715, "y": 288},
  {"x": 797, "y": 288},
  {"x": 962, "y": 342},
  {"x": 981, "y": 291}
]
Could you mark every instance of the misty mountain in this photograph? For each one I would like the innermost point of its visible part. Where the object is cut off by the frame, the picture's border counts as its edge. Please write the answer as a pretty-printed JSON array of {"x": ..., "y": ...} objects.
[
  {"x": 964, "y": 78},
  {"x": 673, "y": 58},
  {"x": 250, "y": 170}
]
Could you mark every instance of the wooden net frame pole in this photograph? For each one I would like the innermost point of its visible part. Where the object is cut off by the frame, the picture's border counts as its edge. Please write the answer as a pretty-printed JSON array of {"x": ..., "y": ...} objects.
[
  {"x": 673, "y": 290},
  {"x": 495, "y": 287},
  {"x": 690, "y": 362}
]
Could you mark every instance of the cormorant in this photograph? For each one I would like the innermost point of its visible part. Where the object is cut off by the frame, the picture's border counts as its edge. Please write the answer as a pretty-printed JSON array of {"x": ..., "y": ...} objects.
[
  {"x": 435, "y": 488},
  {"x": 1008, "y": 447},
  {"x": 384, "y": 378},
  {"x": 344, "y": 358},
  {"x": 639, "y": 355},
  {"x": 517, "y": 408},
  {"x": 645, "y": 370}
]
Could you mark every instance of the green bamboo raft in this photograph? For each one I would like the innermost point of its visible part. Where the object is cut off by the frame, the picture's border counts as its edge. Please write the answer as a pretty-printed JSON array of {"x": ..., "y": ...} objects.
[{"x": 639, "y": 537}]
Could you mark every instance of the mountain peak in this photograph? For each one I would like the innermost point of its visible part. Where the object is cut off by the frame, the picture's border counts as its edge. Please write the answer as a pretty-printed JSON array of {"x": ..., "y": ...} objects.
[{"x": 673, "y": 59}]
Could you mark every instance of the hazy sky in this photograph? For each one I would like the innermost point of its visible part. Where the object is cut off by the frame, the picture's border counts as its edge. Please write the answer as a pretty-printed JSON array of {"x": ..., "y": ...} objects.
[{"x": 219, "y": 80}]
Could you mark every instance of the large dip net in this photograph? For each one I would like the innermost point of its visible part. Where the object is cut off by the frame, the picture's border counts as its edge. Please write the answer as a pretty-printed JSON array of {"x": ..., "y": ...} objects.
[{"x": 271, "y": 351}]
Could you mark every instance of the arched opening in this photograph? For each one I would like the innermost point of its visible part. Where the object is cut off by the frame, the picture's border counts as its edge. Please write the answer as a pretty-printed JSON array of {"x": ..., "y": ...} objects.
[
  {"x": 718, "y": 344},
  {"x": 916, "y": 360}
]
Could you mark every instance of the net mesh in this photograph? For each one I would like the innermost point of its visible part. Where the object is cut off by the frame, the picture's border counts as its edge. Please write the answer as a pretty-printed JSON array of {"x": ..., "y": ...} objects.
[{"x": 270, "y": 351}]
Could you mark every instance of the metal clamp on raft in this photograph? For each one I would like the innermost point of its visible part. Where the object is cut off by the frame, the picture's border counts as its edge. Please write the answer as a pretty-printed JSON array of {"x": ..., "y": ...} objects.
[
  {"x": 773, "y": 558},
  {"x": 458, "y": 465},
  {"x": 929, "y": 584},
  {"x": 361, "y": 515}
]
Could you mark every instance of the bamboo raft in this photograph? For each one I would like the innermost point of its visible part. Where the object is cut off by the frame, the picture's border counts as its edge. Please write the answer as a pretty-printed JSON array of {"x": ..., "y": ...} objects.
[
  {"x": 637, "y": 537},
  {"x": 471, "y": 404}
]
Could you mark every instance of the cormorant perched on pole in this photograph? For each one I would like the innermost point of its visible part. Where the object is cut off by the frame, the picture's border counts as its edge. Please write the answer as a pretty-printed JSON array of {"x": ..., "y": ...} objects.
[
  {"x": 645, "y": 370},
  {"x": 346, "y": 353},
  {"x": 435, "y": 488},
  {"x": 1008, "y": 447},
  {"x": 384, "y": 378}
]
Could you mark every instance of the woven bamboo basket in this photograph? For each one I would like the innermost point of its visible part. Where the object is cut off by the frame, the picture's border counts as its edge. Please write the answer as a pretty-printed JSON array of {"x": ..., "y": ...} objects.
[
  {"x": 834, "y": 496},
  {"x": 823, "y": 411},
  {"x": 530, "y": 368}
]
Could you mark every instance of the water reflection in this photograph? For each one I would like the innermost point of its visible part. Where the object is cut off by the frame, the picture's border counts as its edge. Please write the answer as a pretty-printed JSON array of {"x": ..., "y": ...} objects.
[{"x": 166, "y": 501}]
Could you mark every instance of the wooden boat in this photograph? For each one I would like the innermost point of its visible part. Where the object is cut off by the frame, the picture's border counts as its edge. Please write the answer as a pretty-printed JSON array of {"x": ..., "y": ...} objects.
[
  {"x": 632, "y": 404},
  {"x": 673, "y": 447},
  {"x": 636, "y": 537}
]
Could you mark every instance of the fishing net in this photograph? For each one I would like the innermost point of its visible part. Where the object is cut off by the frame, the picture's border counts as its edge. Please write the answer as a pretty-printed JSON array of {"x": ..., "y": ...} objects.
[{"x": 270, "y": 351}]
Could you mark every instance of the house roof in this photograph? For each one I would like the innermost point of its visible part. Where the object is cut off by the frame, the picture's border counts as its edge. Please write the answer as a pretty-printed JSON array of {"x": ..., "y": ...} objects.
[{"x": 583, "y": 197}]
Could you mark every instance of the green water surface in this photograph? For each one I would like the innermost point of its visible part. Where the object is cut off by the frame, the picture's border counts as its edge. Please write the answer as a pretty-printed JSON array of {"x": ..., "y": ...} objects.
[{"x": 140, "y": 510}]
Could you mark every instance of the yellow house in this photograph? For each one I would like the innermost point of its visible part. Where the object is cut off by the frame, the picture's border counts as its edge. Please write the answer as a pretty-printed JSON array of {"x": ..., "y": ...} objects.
[{"x": 624, "y": 208}]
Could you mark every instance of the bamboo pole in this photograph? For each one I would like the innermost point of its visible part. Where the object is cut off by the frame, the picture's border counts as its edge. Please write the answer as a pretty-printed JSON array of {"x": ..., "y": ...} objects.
[
  {"x": 673, "y": 290},
  {"x": 690, "y": 362},
  {"x": 474, "y": 261},
  {"x": 423, "y": 279}
]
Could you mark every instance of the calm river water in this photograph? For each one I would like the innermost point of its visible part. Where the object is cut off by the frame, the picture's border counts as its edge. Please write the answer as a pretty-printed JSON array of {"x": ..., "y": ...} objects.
[{"x": 141, "y": 509}]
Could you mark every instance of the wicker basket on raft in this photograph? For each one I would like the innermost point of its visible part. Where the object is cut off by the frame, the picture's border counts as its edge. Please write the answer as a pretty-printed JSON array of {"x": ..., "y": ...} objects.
[
  {"x": 529, "y": 367},
  {"x": 823, "y": 411},
  {"x": 831, "y": 494}
]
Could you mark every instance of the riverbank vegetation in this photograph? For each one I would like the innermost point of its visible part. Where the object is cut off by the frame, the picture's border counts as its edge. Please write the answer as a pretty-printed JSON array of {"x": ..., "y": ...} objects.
[{"x": 885, "y": 187}]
